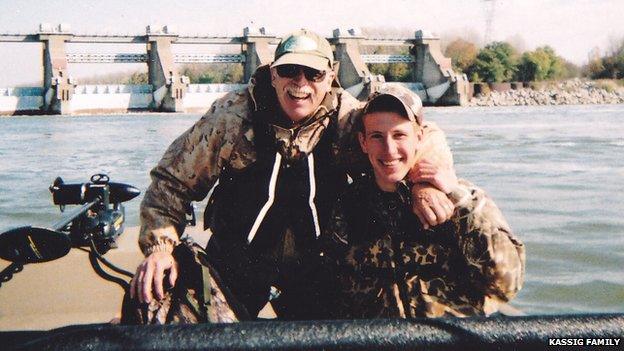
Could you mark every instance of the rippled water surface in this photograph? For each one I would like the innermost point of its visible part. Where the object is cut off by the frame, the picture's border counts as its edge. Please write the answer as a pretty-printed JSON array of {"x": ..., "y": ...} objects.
[{"x": 556, "y": 172}]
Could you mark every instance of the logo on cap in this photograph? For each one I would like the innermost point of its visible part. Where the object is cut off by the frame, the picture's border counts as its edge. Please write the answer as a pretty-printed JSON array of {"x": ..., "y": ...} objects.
[{"x": 300, "y": 43}]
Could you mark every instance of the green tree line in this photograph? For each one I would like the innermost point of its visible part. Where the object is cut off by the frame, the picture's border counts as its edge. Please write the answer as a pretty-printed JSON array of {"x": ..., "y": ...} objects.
[
  {"x": 501, "y": 62},
  {"x": 496, "y": 62},
  {"x": 609, "y": 66}
]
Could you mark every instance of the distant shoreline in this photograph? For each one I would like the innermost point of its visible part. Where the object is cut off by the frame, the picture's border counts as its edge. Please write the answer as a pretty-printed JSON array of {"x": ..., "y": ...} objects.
[{"x": 569, "y": 92}]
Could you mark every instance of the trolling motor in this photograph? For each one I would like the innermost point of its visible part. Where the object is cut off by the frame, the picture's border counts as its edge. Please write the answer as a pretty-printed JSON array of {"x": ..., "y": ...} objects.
[{"x": 96, "y": 224}]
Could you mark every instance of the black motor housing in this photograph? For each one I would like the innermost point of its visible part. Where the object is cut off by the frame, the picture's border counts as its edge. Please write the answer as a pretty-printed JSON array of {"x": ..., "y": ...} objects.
[{"x": 81, "y": 193}]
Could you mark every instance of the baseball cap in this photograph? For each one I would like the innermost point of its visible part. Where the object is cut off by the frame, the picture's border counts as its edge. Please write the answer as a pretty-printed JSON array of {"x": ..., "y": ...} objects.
[
  {"x": 408, "y": 99},
  {"x": 305, "y": 48}
]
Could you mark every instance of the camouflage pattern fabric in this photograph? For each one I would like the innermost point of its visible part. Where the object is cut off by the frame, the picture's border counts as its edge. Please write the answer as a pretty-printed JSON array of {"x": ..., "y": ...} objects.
[
  {"x": 391, "y": 267},
  {"x": 410, "y": 101},
  {"x": 185, "y": 303}
]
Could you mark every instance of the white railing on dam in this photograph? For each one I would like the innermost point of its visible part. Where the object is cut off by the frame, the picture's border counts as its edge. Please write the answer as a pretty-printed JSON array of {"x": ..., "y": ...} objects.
[
  {"x": 199, "y": 97},
  {"x": 125, "y": 97},
  {"x": 113, "y": 89},
  {"x": 98, "y": 98},
  {"x": 214, "y": 88},
  {"x": 111, "y": 97}
]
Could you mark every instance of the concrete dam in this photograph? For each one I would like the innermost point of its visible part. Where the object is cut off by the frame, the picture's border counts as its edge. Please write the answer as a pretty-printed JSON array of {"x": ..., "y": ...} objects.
[{"x": 432, "y": 76}]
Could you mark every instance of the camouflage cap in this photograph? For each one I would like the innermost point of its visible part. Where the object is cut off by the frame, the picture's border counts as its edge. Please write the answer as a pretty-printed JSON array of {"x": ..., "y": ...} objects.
[
  {"x": 305, "y": 48},
  {"x": 410, "y": 101}
]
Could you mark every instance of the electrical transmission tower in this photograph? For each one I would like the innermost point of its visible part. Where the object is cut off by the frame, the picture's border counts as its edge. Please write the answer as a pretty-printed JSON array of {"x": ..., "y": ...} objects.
[{"x": 490, "y": 7}]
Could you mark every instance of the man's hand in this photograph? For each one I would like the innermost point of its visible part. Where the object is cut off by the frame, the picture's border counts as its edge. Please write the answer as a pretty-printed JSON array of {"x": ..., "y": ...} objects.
[
  {"x": 431, "y": 206},
  {"x": 443, "y": 178},
  {"x": 430, "y": 202},
  {"x": 150, "y": 275}
]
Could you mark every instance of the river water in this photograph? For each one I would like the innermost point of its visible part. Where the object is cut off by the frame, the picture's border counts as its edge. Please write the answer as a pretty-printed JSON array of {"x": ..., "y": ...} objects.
[{"x": 557, "y": 173}]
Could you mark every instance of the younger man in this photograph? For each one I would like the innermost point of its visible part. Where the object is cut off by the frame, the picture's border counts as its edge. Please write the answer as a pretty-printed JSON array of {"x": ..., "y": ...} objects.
[{"x": 391, "y": 266}]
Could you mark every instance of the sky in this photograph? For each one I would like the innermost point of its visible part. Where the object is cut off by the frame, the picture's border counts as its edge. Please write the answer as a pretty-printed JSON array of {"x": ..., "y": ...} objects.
[{"x": 571, "y": 27}]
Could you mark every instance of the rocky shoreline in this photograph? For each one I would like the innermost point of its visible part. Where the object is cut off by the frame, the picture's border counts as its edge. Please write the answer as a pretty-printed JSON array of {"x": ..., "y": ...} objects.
[{"x": 570, "y": 92}]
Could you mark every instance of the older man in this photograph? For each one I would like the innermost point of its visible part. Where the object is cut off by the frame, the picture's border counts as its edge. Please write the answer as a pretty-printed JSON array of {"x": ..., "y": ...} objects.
[{"x": 273, "y": 157}]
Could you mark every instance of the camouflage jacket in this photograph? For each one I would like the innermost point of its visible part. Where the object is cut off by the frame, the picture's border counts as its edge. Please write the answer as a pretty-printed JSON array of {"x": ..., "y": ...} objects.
[
  {"x": 224, "y": 137},
  {"x": 391, "y": 267}
]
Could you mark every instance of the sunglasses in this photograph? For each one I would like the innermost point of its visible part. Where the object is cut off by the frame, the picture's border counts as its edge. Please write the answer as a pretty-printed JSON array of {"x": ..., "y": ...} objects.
[{"x": 292, "y": 71}]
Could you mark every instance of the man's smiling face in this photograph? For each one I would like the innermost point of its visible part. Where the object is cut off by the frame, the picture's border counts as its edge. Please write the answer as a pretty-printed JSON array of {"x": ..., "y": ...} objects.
[
  {"x": 299, "y": 96},
  {"x": 390, "y": 142}
]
